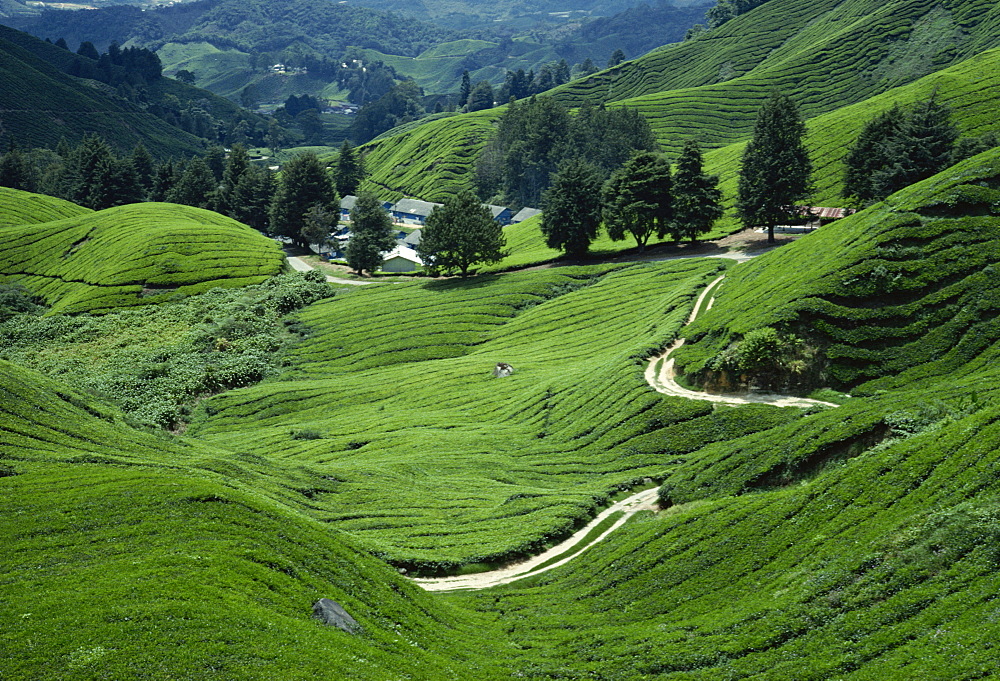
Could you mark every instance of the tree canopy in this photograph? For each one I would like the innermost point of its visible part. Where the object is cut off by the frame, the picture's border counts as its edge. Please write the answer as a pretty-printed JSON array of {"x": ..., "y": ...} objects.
[
  {"x": 697, "y": 198},
  {"x": 637, "y": 199},
  {"x": 304, "y": 183},
  {"x": 371, "y": 234},
  {"x": 571, "y": 207},
  {"x": 460, "y": 234},
  {"x": 775, "y": 169}
]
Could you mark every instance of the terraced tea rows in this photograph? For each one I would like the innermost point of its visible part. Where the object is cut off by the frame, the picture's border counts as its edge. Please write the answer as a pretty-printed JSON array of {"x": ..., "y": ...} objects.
[
  {"x": 25, "y": 208},
  {"x": 395, "y": 385},
  {"x": 131, "y": 254},
  {"x": 902, "y": 289}
]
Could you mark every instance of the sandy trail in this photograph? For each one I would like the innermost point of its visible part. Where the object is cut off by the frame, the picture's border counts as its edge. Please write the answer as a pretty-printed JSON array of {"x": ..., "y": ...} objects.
[
  {"x": 300, "y": 265},
  {"x": 643, "y": 501},
  {"x": 660, "y": 375}
]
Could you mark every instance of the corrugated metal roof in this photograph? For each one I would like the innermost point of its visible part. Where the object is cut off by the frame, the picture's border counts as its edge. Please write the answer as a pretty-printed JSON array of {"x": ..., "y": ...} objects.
[
  {"x": 414, "y": 207},
  {"x": 525, "y": 213}
]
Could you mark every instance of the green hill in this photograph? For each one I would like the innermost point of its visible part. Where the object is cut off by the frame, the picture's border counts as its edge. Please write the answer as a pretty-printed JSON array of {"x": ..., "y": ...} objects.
[
  {"x": 42, "y": 104},
  {"x": 25, "y": 208},
  {"x": 895, "y": 292},
  {"x": 184, "y": 564},
  {"x": 853, "y": 542},
  {"x": 711, "y": 87},
  {"x": 132, "y": 255}
]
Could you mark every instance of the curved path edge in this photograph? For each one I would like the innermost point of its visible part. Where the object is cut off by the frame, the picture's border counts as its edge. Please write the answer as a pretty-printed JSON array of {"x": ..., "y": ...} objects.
[{"x": 643, "y": 501}]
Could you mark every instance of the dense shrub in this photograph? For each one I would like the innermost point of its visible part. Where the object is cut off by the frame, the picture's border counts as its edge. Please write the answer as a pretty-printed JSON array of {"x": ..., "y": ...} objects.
[{"x": 156, "y": 363}]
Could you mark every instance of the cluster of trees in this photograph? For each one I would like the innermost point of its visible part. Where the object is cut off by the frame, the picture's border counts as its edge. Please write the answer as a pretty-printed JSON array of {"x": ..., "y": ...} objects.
[
  {"x": 902, "y": 146},
  {"x": 133, "y": 65},
  {"x": 402, "y": 104},
  {"x": 93, "y": 175},
  {"x": 640, "y": 199},
  {"x": 534, "y": 136}
]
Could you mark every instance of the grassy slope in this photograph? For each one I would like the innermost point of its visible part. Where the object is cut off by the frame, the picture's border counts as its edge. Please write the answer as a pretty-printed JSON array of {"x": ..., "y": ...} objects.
[
  {"x": 143, "y": 556},
  {"x": 904, "y": 285},
  {"x": 855, "y": 543},
  {"x": 130, "y": 254},
  {"x": 25, "y": 208},
  {"x": 969, "y": 88},
  {"x": 433, "y": 161},
  {"x": 41, "y": 104},
  {"x": 852, "y": 543},
  {"x": 396, "y": 386}
]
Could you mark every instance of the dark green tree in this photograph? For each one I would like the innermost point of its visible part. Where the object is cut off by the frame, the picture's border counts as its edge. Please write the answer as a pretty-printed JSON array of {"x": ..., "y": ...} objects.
[
  {"x": 318, "y": 224},
  {"x": 235, "y": 165},
  {"x": 350, "y": 170},
  {"x": 587, "y": 67},
  {"x": 460, "y": 234},
  {"x": 871, "y": 152},
  {"x": 164, "y": 179},
  {"x": 81, "y": 169},
  {"x": 143, "y": 166},
  {"x": 196, "y": 186},
  {"x": 775, "y": 169},
  {"x": 637, "y": 199},
  {"x": 114, "y": 184},
  {"x": 697, "y": 198},
  {"x": 481, "y": 97},
  {"x": 16, "y": 172},
  {"x": 571, "y": 207},
  {"x": 465, "y": 89},
  {"x": 253, "y": 196},
  {"x": 371, "y": 234},
  {"x": 88, "y": 50},
  {"x": 185, "y": 76},
  {"x": 616, "y": 58},
  {"x": 304, "y": 183},
  {"x": 921, "y": 147},
  {"x": 215, "y": 159}
]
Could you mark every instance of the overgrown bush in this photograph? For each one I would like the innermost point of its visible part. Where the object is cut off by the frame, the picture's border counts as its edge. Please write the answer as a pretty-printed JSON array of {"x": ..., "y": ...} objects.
[
  {"x": 157, "y": 362},
  {"x": 767, "y": 359}
]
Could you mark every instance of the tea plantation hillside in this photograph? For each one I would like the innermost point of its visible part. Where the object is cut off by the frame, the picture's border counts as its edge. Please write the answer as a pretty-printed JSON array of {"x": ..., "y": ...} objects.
[
  {"x": 130, "y": 255},
  {"x": 895, "y": 294},
  {"x": 393, "y": 396},
  {"x": 825, "y": 55},
  {"x": 855, "y": 543},
  {"x": 25, "y": 208},
  {"x": 131, "y": 555},
  {"x": 41, "y": 104},
  {"x": 968, "y": 88}
]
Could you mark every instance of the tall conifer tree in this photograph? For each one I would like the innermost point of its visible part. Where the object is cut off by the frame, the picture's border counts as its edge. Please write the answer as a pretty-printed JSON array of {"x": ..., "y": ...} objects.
[
  {"x": 571, "y": 207},
  {"x": 697, "y": 198},
  {"x": 775, "y": 170}
]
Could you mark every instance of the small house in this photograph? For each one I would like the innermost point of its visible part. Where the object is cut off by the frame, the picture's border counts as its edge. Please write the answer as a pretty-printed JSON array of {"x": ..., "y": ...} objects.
[
  {"x": 524, "y": 214},
  {"x": 500, "y": 214},
  {"x": 401, "y": 259},
  {"x": 412, "y": 210},
  {"x": 346, "y": 206},
  {"x": 412, "y": 239}
]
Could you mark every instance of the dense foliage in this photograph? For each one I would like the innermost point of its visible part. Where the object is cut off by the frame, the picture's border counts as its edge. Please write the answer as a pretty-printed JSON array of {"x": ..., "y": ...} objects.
[
  {"x": 775, "y": 169},
  {"x": 534, "y": 136},
  {"x": 157, "y": 364},
  {"x": 371, "y": 234},
  {"x": 460, "y": 234}
]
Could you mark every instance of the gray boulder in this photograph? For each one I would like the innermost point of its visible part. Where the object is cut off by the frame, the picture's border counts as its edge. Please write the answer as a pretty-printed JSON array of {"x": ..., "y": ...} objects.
[{"x": 332, "y": 613}]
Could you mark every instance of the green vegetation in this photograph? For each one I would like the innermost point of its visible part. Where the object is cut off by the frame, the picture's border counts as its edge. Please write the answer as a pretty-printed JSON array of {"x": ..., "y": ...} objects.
[
  {"x": 156, "y": 364},
  {"x": 133, "y": 255},
  {"x": 459, "y": 234},
  {"x": 24, "y": 208}
]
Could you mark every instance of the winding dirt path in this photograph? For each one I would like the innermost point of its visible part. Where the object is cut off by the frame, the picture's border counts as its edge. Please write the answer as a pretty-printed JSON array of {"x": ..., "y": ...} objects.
[
  {"x": 643, "y": 501},
  {"x": 300, "y": 265},
  {"x": 661, "y": 375}
]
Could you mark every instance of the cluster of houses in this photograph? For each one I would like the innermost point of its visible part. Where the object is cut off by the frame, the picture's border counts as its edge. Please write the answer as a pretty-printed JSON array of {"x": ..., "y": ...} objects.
[{"x": 411, "y": 212}]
